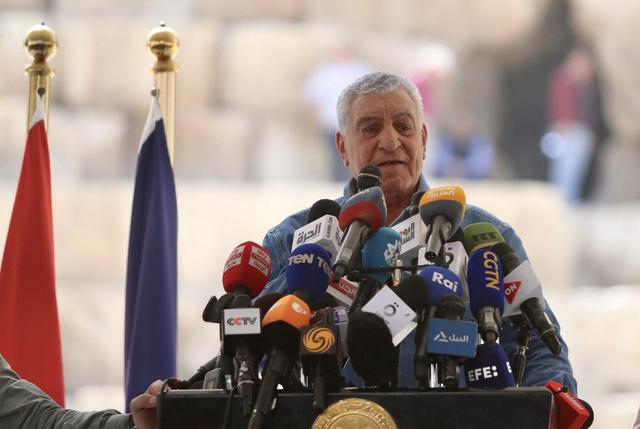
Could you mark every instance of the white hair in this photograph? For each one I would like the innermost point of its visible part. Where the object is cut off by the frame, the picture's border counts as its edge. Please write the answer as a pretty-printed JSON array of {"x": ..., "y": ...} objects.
[{"x": 377, "y": 83}]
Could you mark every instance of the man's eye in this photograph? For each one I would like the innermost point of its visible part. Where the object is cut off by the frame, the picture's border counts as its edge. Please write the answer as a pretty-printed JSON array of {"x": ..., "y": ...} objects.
[
  {"x": 404, "y": 128},
  {"x": 369, "y": 131}
]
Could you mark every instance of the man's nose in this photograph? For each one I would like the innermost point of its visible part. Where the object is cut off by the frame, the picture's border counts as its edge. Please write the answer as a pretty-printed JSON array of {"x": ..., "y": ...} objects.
[{"x": 389, "y": 140}]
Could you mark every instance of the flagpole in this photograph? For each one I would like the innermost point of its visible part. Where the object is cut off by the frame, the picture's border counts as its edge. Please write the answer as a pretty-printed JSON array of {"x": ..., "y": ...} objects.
[
  {"x": 163, "y": 43},
  {"x": 41, "y": 44}
]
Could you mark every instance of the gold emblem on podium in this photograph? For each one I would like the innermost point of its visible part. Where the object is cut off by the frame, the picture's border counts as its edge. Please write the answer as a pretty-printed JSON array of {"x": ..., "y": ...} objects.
[{"x": 354, "y": 413}]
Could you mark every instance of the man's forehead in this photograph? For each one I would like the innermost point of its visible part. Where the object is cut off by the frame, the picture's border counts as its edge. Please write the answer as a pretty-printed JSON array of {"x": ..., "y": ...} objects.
[{"x": 396, "y": 103}]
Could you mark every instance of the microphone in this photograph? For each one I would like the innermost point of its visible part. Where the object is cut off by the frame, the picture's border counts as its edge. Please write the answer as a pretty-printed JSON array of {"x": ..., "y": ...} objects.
[
  {"x": 307, "y": 273},
  {"x": 380, "y": 251},
  {"x": 281, "y": 334},
  {"x": 245, "y": 274},
  {"x": 479, "y": 235},
  {"x": 368, "y": 177},
  {"x": 321, "y": 228},
  {"x": 414, "y": 208},
  {"x": 490, "y": 369},
  {"x": 451, "y": 340},
  {"x": 212, "y": 377},
  {"x": 321, "y": 355},
  {"x": 442, "y": 210},
  {"x": 371, "y": 350},
  {"x": 362, "y": 215},
  {"x": 439, "y": 283},
  {"x": 396, "y": 309},
  {"x": 524, "y": 292},
  {"x": 570, "y": 412},
  {"x": 246, "y": 270},
  {"x": 412, "y": 233},
  {"x": 241, "y": 334},
  {"x": 486, "y": 293}
]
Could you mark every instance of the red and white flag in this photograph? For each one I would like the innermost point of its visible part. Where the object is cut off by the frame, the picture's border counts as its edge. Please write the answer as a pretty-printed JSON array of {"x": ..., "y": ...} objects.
[{"x": 29, "y": 328}]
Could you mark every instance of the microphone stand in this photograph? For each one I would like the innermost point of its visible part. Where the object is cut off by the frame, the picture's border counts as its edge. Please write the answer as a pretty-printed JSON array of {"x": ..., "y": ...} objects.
[{"x": 523, "y": 325}]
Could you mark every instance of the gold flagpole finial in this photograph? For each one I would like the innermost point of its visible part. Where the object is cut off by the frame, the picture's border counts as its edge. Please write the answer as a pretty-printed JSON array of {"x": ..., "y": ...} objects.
[
  {"x": 163, "y": 43},
  {"x": 41, "y": 44}
]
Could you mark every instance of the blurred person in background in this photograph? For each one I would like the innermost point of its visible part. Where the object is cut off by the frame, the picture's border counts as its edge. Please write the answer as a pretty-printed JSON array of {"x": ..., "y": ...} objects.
[
  {"x": 430, "y": 69},
  {"x": 576, "y": 125},
  {"x": 464, "y": 151},
  {"x": 24, "y": 406},
  {"x": 322, "y": 88}
]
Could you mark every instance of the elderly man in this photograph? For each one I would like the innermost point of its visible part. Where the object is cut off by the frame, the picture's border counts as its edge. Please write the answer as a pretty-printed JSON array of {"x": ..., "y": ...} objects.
[
  {"x": 23, "y": 405},
  {"x": 380, "y": 123}
]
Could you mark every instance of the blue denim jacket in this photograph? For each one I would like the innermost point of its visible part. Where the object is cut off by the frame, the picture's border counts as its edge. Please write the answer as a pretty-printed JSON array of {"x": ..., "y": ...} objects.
[{"x": 541, "y": 365}]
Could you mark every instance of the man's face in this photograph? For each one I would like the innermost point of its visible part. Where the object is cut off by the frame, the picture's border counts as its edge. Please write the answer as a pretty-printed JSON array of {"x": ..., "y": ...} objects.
[{"x": 384, "y": 130}]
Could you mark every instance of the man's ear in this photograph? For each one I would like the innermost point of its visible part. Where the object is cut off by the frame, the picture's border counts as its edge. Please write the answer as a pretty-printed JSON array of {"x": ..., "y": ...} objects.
[
  {"x": 424, "y": 135},
  {"x": 341, "y": 149}
]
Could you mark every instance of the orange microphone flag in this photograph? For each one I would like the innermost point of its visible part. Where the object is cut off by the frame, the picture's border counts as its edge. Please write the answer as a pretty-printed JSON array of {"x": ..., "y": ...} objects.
[{"x": 29, "y": 328}]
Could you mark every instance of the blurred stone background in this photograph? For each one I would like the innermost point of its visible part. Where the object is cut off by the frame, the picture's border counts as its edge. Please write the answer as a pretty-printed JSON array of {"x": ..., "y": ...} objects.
[{"x": 246, "y": 140}]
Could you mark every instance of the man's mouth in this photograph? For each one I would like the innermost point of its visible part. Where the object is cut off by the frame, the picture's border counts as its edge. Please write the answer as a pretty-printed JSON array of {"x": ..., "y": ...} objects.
[{"x": 390, "y": 163}]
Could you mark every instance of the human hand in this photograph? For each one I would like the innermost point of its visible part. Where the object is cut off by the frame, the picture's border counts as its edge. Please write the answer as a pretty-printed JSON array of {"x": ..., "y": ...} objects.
[{"x": 143, "y": 407}]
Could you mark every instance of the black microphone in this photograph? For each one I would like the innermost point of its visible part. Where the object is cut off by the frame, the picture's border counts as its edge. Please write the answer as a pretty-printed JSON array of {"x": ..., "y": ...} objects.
[
  {"x": 321, "y": 356},
  {"x": 371, "y": 350},
  {"x": 370, "y": 341},
  {"x": 368, "y": 177},
  {"x": 451, "y": 307}
]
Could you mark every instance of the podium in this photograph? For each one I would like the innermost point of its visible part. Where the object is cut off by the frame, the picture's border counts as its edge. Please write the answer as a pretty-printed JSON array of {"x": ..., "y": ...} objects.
[{"x": 521, "y": 408}]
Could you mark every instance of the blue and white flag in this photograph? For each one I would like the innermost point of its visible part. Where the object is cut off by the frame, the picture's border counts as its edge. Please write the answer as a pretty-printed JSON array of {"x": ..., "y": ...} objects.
[{"x": 151, "y": 300}]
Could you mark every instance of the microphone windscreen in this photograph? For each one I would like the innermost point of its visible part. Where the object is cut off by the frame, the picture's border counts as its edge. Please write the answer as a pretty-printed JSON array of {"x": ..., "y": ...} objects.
[
  {"x": 289, "y": 309},
  {"x": 381, "y": 250},
  {"x": 281, "y": 335},
  {"x": 485, "y": 281},
  {"x": 413, "y": 290},
  {"x": 247, "y": 268},
  {"x": 441, "y": 282},
  {"x": 479, "y": 235},
  {"x": 367, "y": 206},
  {"x": 369, "y": 176},
  {"x": 322, "y": 208},
  {"x": 308, "y": 269},
  {"x": 449, "y": 201},
  {"x": 489, "y": 369},
  {"x": 371, "y": 348}
]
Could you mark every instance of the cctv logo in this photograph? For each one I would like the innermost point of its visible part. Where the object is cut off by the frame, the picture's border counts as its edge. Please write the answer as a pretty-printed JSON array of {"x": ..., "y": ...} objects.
[{"x": 241, "y": 321}]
